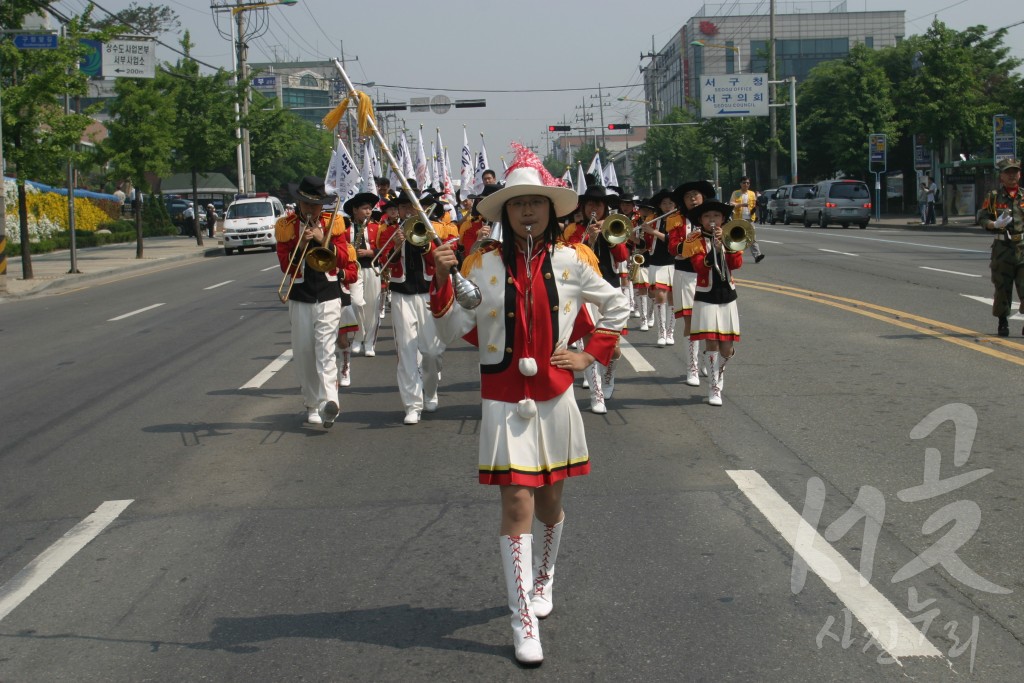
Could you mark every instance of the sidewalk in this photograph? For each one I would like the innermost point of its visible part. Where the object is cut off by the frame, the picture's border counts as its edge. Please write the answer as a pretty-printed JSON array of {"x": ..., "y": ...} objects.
[{"x": 96, "y": 264}]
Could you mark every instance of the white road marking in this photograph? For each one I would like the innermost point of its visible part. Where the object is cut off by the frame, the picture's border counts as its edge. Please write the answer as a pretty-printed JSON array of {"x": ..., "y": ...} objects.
[
  {"x": 270, "y": 268},
  {"x": 769, "y": 242},
  {"x": 837, "y": 252},
  {"x": 633, "y": 356},
  {"x": 951, "y": 272},
  {"x": 887, "y": 625},
  {"x": 269, "y": 371},
  {"x": 219, "y": 284},
  {"x": 878, "y": 239},
  {"x": 36, "y": 573},
  {"x": 1014, "y": 305},
  {"x": 141, "y": 310}
]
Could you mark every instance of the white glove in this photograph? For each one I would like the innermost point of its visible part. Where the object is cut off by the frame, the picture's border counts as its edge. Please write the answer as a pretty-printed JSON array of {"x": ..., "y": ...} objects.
[{"x": 1003, "y": 220}]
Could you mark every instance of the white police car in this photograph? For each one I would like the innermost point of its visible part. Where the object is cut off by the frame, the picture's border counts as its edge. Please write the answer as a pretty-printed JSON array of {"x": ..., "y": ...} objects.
[{"x": 249, "y": 222}]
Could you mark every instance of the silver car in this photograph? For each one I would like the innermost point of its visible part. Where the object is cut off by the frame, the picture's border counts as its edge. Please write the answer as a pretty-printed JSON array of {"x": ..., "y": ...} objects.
[
  {"x": 788, "y": 205},
  {"x": 846, "y": 202}
]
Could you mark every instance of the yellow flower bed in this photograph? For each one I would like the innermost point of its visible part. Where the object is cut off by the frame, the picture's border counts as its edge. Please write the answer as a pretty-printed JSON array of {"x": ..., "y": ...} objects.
[{"x": 88, "y": 216}]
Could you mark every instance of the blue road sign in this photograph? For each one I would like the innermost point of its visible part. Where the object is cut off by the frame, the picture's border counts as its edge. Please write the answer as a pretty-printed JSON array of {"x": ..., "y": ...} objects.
[{"x": 36, "y": 41}]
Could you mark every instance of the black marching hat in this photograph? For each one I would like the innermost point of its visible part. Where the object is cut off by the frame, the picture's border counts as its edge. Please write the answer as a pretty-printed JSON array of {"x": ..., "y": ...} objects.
[
  {"x": 660, "y": 195},
  {"x": 311, "y": 191},
  {"x": 359, "y": 200},
  {"x": 706, "y": 189},
  {"x": 711, "y": 205}
]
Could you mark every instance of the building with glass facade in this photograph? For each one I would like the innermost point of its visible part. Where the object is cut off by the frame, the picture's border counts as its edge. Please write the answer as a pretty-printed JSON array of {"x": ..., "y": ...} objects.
[
  {"x": 733, "y": 38},
  {"x": 310, "y": 89}
]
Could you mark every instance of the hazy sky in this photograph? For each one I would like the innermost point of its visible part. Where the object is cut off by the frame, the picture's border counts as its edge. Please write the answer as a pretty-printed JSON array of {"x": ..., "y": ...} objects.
[{"x": 462, "y": 49}]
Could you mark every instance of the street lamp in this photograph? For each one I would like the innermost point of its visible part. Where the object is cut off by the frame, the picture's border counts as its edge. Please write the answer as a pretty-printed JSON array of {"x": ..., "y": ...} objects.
[
  {"x": 246, "y": 182},
  {"x": 734, "y": 48}
]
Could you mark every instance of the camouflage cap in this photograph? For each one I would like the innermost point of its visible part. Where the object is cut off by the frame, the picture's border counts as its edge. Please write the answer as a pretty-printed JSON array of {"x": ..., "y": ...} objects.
[{"x": 1007, "y": 164}]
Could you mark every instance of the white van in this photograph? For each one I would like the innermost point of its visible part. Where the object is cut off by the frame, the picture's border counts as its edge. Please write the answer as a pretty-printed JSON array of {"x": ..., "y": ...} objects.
[{"x": 249, "y": 222}]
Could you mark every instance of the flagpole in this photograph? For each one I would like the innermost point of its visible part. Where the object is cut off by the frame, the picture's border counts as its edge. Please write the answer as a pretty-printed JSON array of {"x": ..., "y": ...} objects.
[{"x": 467, "y": 293}]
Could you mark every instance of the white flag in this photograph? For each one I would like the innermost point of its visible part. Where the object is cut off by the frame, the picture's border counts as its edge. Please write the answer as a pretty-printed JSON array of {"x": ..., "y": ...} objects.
[
  {"x": 581, "y": 180},
  {"x": 610, "y": 178},
  {"x": 371, "y": 152},
  {"x": 466, "y": 170},
  {"x": 567, "y": 178},
  {"x": 368, "y": 184},
  {"x": 331, "y": 177},
  {"x": 423, "y": 179},
  {"x": 347, "y": 174},
  {"x": 449, "y": 190},
  {"x": 408, "y": 170},
  {"x": 439, "y": 168},
  {"x": 595, "y": 167},
  {"x": 481, "y": 166},
  {"x": 504, "y": 166}
]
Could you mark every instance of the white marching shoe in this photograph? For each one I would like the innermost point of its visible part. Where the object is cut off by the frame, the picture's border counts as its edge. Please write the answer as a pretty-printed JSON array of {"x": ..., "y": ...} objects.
[
  {"x": 544, "y": 570},
  {"x": 593, "y": 375},
  {"x": 692, "y": 373},
  {"x": 608, "y": 381},
  {"x": 357, "y": 347},
  {"x": 345, "y": 368},
  {"x": 517, "y": 561},
  {"x": 714, "y": 378},
  {"x": 313, "y": 417},
  {"x": 328, "y": 413},
  {"x": 659, "y": 318}
]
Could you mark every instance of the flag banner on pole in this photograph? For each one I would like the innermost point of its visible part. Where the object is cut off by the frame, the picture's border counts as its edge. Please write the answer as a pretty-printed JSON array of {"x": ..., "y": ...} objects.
[
  {"x": 423, "y": 179},
  {"x": 449, "y": 189},
  {"x": 405, "y": 158},
  {"x": 439, "y": 169},
  {"x": 581, "y": 180},
  {"x": 371, "y": 152},
  {"x": 504, "y": 166},
  {"x": 596, "y": 169},
  {"x": 368, "y": 184},
  {"x": 567, "y": 178},
  {"x": 610, "y": 177},
  {"x": 348, "y": 174},
  {"x": 466, "y": 169},
  {"x": 481, "y": 165},
  {"x": 331, "y": 177}
]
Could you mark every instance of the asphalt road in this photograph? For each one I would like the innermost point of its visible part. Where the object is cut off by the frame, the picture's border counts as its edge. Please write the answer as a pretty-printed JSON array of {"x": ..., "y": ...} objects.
[{"x": 258, "y": 549}]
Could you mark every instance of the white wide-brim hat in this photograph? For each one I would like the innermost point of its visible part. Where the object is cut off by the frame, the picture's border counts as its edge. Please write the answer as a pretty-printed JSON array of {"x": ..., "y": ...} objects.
[{"x": 527, "y": 181}]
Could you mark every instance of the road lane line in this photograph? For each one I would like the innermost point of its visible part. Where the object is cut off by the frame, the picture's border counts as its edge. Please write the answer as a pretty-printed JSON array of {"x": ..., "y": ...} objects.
[
  {"x": 39, "y": 570},
  {"x": 951, "y": 272},
  {"x": 830, "y": 251},
  {"x": 141, "y": 310},
  {"x": 269, "y": 371},
  {"x": 878, "y": 239},
  {"x": 219, "y": 284},
  {"x": 932, "y": 328},
  {"x": 769, "y": 242},
  {"x": 880, "y": 617},
  {"x": 1014, "y": 305},
  {"x": 633, "y": 356},
  {"x": 270, "y": 268}
]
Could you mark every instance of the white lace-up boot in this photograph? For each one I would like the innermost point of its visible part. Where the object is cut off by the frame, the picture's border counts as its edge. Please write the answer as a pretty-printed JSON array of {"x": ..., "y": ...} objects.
[
  {"x": 714, "y": 378},
  {"x": 659, "y": 318},
  {"x": 608, "y": 381},
  {"x": 517, "y": 561},
  {"x": 345, "y": 368},
  {"x": 544, "y": 570},
  {"x": 593, "y": 375},
  {"x": 692, "y": 373}
]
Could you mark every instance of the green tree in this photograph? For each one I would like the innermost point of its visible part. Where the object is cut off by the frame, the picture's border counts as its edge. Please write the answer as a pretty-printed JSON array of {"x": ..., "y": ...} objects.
[
  {"x": 141, "y": 135},
  {"x": 151, "y": 20},
  {"x": 283, "y": 146},
  {"x": 680, "y": 153},
  {"x": 205, "y": 121},
  {"x": 39, "y": 138},
  {"x": 841, "y": 103}
]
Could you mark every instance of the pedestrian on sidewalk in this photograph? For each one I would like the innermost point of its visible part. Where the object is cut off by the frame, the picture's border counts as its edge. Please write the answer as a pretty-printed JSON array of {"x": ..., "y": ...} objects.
[
  {"x": 1003, "y": 214},
  {"x": 534, "y": 287}
]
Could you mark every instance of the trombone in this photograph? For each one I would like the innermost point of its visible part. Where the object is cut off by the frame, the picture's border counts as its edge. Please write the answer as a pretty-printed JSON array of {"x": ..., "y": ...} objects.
[{"x": 319, "y": 258}]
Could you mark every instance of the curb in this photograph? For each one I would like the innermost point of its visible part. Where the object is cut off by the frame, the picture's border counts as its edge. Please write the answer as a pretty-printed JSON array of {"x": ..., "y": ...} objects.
[{"x": 67, "y": 280}]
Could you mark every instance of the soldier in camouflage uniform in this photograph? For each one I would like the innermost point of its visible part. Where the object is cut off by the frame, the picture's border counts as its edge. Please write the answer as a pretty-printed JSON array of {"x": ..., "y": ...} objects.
[{"x": 1003, "y": 214}]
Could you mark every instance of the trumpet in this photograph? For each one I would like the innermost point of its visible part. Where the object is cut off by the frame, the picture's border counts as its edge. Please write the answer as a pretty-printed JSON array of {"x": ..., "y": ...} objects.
[
  {"x": 319, "y": 258},
  {"x": 737, "y": 234},
  {"x": 415, "y": 233}
]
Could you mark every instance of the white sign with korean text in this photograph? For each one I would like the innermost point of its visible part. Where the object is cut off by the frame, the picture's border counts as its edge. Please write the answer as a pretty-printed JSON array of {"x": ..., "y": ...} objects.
[
  {"x": 724, "y": 95},
  {"x": 126, "y": 58}
]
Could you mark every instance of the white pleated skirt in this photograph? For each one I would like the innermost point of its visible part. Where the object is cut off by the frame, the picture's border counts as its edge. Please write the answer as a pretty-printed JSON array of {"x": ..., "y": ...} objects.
[
  {"x": 719, "y": 322},
  {"x": 532, "y": 451}
]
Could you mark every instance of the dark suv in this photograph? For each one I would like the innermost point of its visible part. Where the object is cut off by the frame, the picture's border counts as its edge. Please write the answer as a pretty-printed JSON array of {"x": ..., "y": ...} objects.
[{"x": 844, "y": 202}]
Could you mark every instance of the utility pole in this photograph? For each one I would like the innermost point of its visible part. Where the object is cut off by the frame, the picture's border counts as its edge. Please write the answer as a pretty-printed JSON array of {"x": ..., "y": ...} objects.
[
  {"x": 3, "y": 210},
  {"x": 600, "y": 102},
  {"x": 655, "y": 110},
  {"x": 773, "y": 128},
  {"x": 243, "y": 73}
]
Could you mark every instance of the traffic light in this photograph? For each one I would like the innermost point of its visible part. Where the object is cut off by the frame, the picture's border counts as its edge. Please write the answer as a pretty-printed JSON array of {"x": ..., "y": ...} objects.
[
  {"x": 620, "y": 126},
  {"x": 552, "y": 129}
]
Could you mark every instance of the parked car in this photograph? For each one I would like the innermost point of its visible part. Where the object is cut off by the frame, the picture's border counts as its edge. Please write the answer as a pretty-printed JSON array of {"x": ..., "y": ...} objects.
[
  {"x": 788, "y": 205},
  {"x": 249, "y": 222},
  {"x": 844, "y": 202},
  {"x": 176, "y": 207},
  {"x": 763, "y": 201}
]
